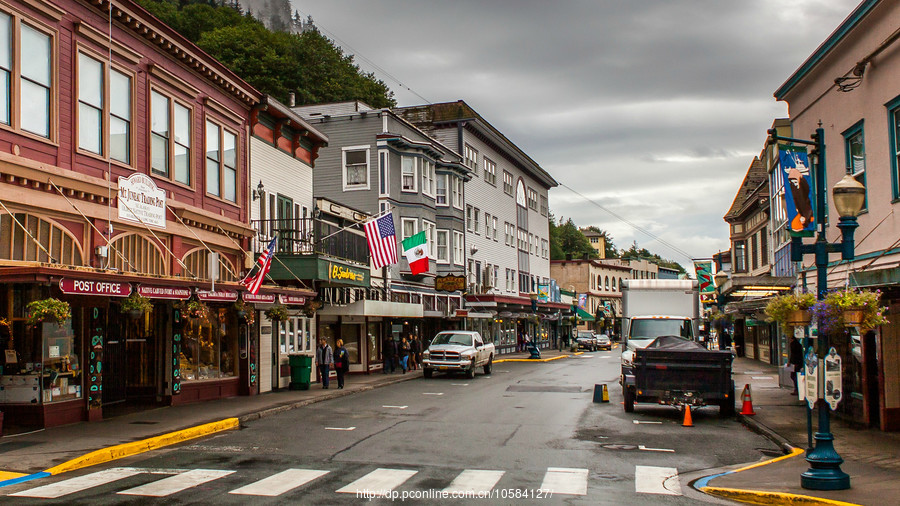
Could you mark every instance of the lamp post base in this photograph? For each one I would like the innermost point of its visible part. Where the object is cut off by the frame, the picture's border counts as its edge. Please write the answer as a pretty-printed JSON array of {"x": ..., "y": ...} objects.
[{"x": 824, "y": 472}]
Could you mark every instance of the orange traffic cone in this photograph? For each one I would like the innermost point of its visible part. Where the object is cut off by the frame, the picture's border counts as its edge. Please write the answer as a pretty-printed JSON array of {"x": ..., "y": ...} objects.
[
  {"x": 688, "y": 421},
  {"x": 747, "y": 408}
]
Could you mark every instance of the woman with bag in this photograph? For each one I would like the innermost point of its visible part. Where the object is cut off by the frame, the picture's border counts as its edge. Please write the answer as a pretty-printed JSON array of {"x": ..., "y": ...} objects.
[{"x": 341, "y": 362}]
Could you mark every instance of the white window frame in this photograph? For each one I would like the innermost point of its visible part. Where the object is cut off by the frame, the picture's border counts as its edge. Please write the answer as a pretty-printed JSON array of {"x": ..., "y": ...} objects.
[
  {"x": 470, "y": 213},
  {"x": 545, "y": 206},
  {"x": 532, "y": 199},
  {"x": 471, "y": 158},
  {"x": 384, "y": 173},
  {"x": 437, "y": 193},
  {"x": 459, "y": 244},
  {"x": 476, "y": 213},
  {"x": 355, "y": 187},
  {"x": 508, "y": 183},
  {"x": 445, "y": 259},
  {"x": 415, "y": 227},
  {"x": 458, "y": 192},
  {"x": 494, "y": 226},
  {"x": 415, "y": 173},
  {"x": 430, "y": 229},
  {"x": 490, "y": 171},
  {"x": 487, "y": 225},
  {"x": 427, "y": 168}
]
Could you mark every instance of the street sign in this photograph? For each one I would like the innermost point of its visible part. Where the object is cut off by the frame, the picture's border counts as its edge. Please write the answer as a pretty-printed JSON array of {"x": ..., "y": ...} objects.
[
  {"x": 833, "y": 380},
  {"x": 811, "y": 366}
]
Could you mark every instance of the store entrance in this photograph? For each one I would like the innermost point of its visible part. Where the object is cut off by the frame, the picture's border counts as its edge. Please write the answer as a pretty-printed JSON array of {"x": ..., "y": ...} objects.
[{"x": 131, "y": 357}]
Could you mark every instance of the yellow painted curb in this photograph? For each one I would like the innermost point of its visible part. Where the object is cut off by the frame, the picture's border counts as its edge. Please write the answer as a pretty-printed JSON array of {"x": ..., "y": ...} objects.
[
  {"x": 765, "y": 497},
  {"x": 794, "y": 453},
  {"x": 145, "y": 445},
  {"x": 528, "y": 359},
  {"x": 8, "y": 475}
]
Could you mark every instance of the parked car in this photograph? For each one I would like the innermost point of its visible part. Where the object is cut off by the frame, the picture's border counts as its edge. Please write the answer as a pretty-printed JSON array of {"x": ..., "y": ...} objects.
[
  {"x": 586, "y": 340},
  {"x": 458, "y": 351},
  {"x": 603, "y": 342}
]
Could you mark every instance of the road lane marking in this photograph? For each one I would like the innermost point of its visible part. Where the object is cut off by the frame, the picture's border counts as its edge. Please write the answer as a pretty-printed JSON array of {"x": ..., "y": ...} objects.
[
  {"x": 642, "y": 421},
  {"x": 565, "y": 480},
  {"x": 762, "y": 378},
  {"x": 177, "y": 483},
  {"x": 642, "y": 447},
  {"x": 340, "y": 428},
  {"x": 432, "y": 393},
  {"x": 280, "y": 483},
  {"x": 474, "y": 481},
  {"x": 378, "y": 482},
  {"x": 656, "y": 480},
  {"x": 395, "y": 407},
  {"x": 73, "y": 485},
  {"x": 460, "y": 384}
]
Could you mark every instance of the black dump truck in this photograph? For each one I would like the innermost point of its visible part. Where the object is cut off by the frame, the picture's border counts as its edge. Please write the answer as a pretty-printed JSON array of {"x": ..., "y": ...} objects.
[{"x": 677, "y": 371}]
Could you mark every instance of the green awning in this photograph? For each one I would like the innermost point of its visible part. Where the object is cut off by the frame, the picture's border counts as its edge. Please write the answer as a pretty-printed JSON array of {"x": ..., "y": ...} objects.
[{"x": 584, "y": 315}]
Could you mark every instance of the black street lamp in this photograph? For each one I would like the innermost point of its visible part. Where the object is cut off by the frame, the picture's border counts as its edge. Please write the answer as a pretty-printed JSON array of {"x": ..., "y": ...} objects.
[{"x": 849, "y": 197}]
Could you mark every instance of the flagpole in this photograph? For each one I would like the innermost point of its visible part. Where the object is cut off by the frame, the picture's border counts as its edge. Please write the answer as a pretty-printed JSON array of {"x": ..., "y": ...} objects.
[{"x": 379, "y": 215}]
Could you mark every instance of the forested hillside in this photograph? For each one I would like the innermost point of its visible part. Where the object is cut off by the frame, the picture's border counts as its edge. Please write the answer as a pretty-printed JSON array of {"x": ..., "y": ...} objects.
[{"x": 274, "y": 62}]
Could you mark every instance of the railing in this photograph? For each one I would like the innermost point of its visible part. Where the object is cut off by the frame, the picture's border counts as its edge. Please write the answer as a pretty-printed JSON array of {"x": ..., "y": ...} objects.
[{"x": 308, "y": 236}]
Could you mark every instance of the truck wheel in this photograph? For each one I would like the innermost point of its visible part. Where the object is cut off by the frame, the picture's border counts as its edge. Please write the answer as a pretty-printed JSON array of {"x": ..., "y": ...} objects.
[
  {"x": 427, "y": 372},
  {"x": 726, "y": 408},
  {"x": 629, "y": 400},
  {"x": 470, "y": 373},
  {"x": 490, "y": 365}
]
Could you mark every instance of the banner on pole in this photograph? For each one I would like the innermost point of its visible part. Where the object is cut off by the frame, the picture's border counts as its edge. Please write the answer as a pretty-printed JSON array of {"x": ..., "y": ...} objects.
[
  {"x": 798, "y": 190},
  {"x": 704, "y": 276}
]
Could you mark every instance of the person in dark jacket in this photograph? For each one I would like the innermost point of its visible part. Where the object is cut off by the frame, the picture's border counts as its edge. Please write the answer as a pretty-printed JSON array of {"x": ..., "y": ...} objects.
[
  {"x": 413, "y": 352},
  {"x": 404, "y": 354},
  {"x": 388, "y": 352},
  {"x": 341, "y": 362},
  {"x": 324, "y": 360},
  {"x": 795, "y": 358}
]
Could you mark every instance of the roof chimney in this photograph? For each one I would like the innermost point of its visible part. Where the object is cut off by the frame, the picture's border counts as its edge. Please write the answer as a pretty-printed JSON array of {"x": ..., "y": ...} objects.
[{"x": 292, "y": 99}]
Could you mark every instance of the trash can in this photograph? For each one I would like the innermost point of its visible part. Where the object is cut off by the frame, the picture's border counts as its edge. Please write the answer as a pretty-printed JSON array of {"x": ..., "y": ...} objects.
[{"x": 301, "y": 369}]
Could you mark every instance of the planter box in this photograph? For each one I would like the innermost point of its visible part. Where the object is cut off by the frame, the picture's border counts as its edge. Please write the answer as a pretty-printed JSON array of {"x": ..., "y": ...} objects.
[
  {"x": 799, "y": 318},
  {"x": 853, "y": 317}
]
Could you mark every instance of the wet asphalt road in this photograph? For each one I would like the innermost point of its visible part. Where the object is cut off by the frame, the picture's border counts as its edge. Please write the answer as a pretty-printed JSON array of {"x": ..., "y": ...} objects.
[{"x": 517, "y": 433}]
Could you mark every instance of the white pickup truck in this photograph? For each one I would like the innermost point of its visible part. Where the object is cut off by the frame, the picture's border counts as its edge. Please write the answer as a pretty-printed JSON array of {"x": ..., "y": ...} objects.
[{"x": 457, "y": 351}]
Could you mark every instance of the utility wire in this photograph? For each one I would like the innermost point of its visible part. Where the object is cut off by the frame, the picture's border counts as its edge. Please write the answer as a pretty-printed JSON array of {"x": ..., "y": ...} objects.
[{"x": 662, "y": 241}]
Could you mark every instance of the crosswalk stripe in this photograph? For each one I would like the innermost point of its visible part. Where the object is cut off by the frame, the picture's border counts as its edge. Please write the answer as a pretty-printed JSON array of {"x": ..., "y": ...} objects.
[
  {"x": 565, "y": 480},
  {"x": 656, "y": 480},
  {"x": 177, "y": 483},
  {"x": 73, "y": 485},
  {"x": 379, "y": 481},
  {"x": 280, "y": 483},
  {"x": 474, "y": 480}
]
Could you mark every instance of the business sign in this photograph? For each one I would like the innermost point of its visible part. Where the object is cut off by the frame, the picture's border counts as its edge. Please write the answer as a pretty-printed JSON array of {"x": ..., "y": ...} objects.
[
  {"x": 258, "y": 298},
  {"x": 450, "y": 283},
  {"x": 164, "y": 292},
  {"x": 338, "y": 272},
  {"x": 811, "y": 371},
  {"x": 543, "y": 294},
  {"x": 84, "y": 287},
  {"x": 217, "y": 295},
  {"x": 292, "y": 300},
  {"x": 141, "y": 201},
  {"x": 704, "y": 276},
  {"x": 799, "y": 204},
  {"x": 833, "y": 379},
  {"x": 582, "y": 301}
]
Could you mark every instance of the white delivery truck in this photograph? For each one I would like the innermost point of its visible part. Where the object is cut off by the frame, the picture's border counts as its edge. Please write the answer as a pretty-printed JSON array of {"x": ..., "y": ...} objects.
[{"x": 659, "y": 307}]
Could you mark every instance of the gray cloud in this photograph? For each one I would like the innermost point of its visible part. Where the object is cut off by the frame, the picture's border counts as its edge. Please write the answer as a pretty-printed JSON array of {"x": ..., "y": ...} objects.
[{"x": 652, "y": 108}]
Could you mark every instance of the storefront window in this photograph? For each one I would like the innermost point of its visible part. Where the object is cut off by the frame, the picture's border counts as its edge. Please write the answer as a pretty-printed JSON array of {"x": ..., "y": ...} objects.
[
  {"x": 350, "y": 335},
  {"x": 61, "y": 372},
  {"x": 210, "y": 349},
  {"x": 373, "y": 341}
]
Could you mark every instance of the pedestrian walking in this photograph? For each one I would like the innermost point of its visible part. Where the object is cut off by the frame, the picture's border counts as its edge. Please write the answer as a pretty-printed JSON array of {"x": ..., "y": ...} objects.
[
  {"x": 420, "y": 347},
  {"x": 404, "y": 354},
  {"x": 413, "y": 352},
  {"x": 795, "y": 359},
  {"x": 324, "y": 360},
  {"x": 388, "y": 352},
  {"x": 341, "y": 362}
]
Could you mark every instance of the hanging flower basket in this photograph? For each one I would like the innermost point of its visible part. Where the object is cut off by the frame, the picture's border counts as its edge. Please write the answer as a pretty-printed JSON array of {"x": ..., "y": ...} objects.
[
  {"x": 277, "y": 313},
  {"x": 850, "y": 308},
  {"x": 196, "y": 309},
  {"x": 48, "y": 311},
  {"x": 136, "y": 305},
  {"x": 789, "y": 309},
  {"x": 853, "y": 317},
  {"x": 246, "y": 313}
]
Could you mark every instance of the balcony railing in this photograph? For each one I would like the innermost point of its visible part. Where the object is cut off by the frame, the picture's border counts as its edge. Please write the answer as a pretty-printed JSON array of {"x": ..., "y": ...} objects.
[{"x": 309, "y": 236}]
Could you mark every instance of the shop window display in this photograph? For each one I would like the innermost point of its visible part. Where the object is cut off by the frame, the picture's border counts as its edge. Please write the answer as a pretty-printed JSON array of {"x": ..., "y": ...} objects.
[{"x": 210, "y": 347}]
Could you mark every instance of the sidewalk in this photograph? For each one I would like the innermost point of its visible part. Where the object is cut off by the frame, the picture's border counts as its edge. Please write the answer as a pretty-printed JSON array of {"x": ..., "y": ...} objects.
[
  {"x": 871, "y": 457},
  {"x": 34, "y": 452}
]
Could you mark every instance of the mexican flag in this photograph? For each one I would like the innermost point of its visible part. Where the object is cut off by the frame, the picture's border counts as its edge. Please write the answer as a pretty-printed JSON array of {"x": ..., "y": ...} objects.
[{"x": 416, "y": 251}]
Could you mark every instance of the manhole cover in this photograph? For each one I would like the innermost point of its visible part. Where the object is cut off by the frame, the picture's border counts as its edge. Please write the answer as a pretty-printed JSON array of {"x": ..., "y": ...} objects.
[{"x": 540, "y": 388}]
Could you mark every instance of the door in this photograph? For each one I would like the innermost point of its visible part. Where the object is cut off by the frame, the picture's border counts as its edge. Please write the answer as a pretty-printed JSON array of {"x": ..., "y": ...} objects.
[
  {"x": 114, "y": 356},
  {"x": 285, "y": 228}
]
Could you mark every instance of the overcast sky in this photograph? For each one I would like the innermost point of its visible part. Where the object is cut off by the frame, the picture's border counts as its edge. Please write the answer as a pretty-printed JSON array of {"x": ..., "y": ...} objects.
[{"x": 653, "y": 109}]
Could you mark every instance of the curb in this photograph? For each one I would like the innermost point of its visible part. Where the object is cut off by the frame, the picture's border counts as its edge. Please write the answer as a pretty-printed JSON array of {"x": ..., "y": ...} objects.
[
  {"x": 765, "y": 431},
  {"x": 502, "y": 360}
]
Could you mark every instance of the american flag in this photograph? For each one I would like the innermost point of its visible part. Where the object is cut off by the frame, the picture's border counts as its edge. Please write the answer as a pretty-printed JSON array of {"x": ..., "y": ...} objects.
[
  {"x": 265, "y": 261},
  {"x": 382, "y": 240}
]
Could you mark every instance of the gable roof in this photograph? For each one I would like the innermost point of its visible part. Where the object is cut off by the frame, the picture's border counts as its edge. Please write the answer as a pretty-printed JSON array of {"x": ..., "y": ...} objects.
[{"x": 756, "y": 176}]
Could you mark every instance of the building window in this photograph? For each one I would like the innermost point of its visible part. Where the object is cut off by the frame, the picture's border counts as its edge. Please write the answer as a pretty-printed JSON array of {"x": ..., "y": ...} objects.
[
  {"x": 410, "y": 227},
  {"x": 854, "y": 142},
  {"x": 440, "y": 195},
  {"x": 522, "y": 239},
  {"x": 545, "y": 207},
  {"x": 507, "y": 183},
  {"x": 458, "y": 247},
  {"x": 170, "y": 141},
  {"x": 355, "y": 160},
  {"x": 95, "y": 103},
  {"x": 532, "y": 199},
  {"x": 740, "y": 256},
  {"x": 470, "y": 212},
  {"x": 764, "y": 246},
  {"x": 36, "y": 77},
  {"x": 427, "y": 177},
  {"x": 487, "y": 225},
  {"x": 544, "y": 248},
  {"x": 221, "y": 162},
  {"x": 895, "y": 145},
  {"x": 430, "y": 236},
  {"x": 6, "y": 68},
  {"x": 443, "y": 247},
  {"x": 494, "y": 228},
  {"x": 408, "y": 173},
  {"x": 490, "y": 172},
  {"x": 754, "y": 252},
  {"x": 475, "y": 219},
  {"x": 471, "y": 158},
  {"x": 384, "y": 180},
  {"x": 457, "y": 192}
]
